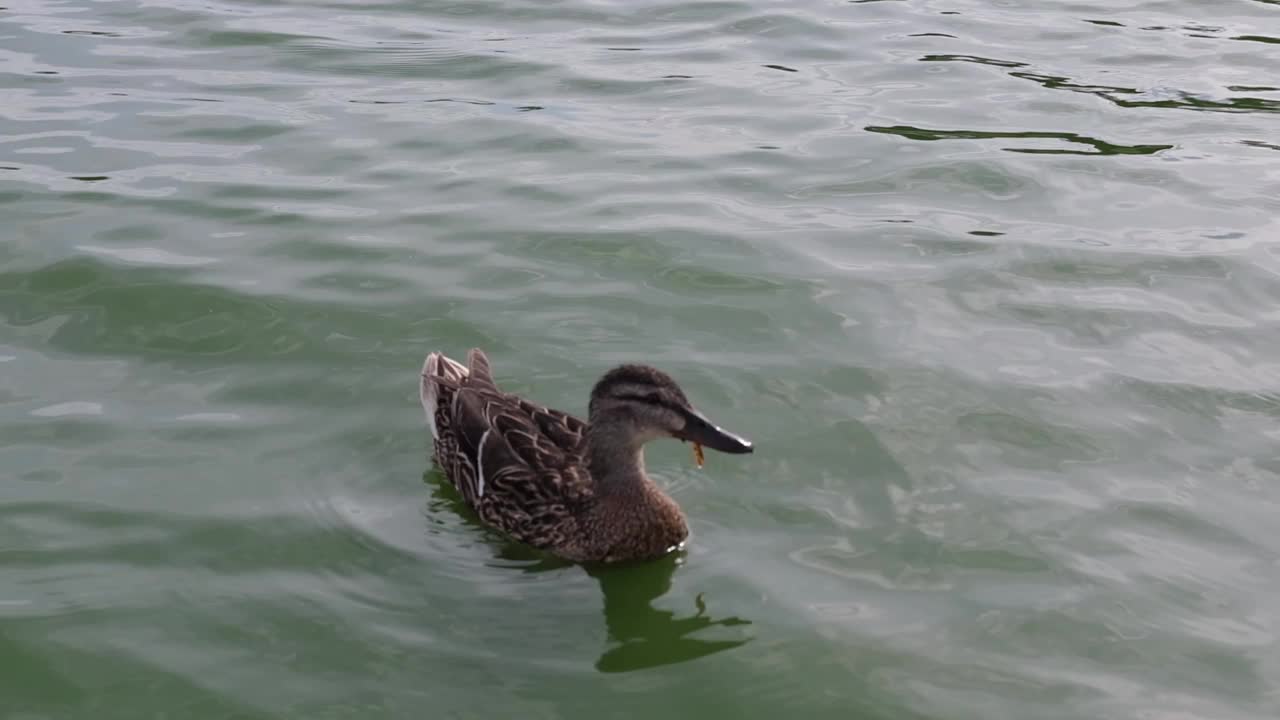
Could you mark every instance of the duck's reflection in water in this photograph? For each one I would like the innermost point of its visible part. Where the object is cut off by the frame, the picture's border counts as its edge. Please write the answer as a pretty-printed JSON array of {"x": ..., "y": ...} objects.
[
  {"x": 642, "y": 636},
  {"x": 639, "y": 635}
]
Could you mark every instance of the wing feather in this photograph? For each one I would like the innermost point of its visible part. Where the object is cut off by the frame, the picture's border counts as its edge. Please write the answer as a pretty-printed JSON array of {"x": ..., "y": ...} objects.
[{"x": 516, "y": 463}]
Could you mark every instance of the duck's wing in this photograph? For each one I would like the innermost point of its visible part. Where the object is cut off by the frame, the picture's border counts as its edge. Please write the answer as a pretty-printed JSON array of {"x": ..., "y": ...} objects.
[
  {"x": 559, "y": 427},
  {"x": 548, "y": 432},
  {"x": 529, "y": 480},
  {"x": 516, "y": 463}
]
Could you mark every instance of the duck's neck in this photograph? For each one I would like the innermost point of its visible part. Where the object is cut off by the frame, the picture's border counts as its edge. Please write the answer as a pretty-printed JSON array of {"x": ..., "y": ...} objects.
[{"x": 615, "y": 454}]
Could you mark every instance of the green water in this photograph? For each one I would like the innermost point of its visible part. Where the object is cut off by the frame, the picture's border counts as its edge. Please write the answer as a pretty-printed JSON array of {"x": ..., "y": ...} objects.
[{"x": 992, "y": 286}]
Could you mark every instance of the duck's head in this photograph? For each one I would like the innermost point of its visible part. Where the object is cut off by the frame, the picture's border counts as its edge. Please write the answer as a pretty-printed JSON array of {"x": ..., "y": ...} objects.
[{"x": 649, "y": 405}]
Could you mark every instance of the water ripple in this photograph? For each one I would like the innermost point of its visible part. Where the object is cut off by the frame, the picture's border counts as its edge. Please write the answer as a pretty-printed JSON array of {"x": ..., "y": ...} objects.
[{"x": 992, "y": 286}]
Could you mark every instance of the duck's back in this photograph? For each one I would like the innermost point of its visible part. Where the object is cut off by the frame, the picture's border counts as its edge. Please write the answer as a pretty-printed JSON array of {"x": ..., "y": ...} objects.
[{"x": 518, "y": 465}]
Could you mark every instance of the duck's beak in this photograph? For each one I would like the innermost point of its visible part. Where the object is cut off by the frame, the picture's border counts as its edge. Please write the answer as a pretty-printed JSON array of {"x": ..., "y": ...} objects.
[{"x": 701, "y": 431}]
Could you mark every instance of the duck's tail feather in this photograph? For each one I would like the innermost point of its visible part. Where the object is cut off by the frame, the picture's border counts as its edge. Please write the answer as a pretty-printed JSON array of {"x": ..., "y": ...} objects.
[
  {"x": 478, "y": 366},
  {"x": 437, "y": 370}
]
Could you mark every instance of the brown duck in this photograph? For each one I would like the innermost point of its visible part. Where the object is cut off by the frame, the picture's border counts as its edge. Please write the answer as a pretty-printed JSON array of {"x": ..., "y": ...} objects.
[{"x": 576, "y": 489}]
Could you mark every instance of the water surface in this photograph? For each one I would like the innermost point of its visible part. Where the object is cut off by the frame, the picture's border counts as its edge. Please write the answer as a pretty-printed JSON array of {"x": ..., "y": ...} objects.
[{"x": 992, "y": 286}]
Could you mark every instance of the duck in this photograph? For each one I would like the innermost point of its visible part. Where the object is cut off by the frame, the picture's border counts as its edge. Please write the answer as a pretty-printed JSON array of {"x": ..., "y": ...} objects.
[{"x": 574, "y": 488}]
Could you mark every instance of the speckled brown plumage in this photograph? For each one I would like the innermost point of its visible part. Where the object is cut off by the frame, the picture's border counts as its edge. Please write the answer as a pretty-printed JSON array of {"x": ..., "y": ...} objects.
[{"x": 552, "y": 481}]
